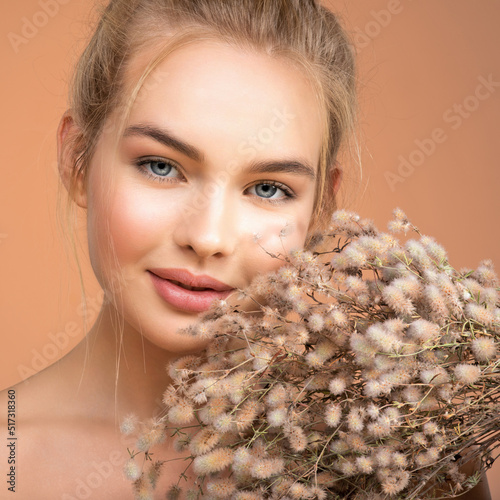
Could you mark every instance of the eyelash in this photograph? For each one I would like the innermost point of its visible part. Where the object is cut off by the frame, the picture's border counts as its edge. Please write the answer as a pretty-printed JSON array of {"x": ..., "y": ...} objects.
[
  {"x": 289, "y": 194},
  {"x": 141, "y": 163}
]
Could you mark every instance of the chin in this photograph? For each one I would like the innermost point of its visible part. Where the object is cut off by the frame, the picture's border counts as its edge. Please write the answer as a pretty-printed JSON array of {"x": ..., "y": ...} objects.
[{"x": 174, "y": 341}]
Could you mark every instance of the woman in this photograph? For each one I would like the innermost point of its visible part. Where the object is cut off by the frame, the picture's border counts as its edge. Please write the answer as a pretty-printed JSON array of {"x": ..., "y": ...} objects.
[{"x": 197, "y": 132}]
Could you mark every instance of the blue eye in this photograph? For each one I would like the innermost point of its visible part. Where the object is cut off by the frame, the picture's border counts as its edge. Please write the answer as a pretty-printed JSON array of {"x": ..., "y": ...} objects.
[
  {"x": 159, "y": 170},
  {"x": 272, "y": 191},
  {"x": 266, "y": 190}
]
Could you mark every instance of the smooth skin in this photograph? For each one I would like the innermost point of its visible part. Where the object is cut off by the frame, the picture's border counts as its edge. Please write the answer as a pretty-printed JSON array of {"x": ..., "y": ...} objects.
[{"x": 211, "y": 215}]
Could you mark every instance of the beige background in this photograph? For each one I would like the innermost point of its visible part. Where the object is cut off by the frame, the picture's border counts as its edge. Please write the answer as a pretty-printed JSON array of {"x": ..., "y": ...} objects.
[{"x": 422, "y": 63}]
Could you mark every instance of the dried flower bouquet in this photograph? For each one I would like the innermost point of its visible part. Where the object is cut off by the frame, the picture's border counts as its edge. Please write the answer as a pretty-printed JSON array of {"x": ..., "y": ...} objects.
[{"x": 368, "y": 368}]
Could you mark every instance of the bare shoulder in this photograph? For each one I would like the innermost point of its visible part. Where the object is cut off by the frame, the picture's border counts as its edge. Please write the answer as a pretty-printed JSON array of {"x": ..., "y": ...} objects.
[
  {"x": 51, "y": 452},
  {"x": 29, "y": 397},
  {"x": 57, "y": 454},
  {"x": 66, "y": 459}
]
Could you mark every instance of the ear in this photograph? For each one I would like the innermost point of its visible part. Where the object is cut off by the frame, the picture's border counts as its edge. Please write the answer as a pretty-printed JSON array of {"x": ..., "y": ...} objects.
[
  {"x": 335, "y": 178},
  {"x": 66, "y": 132}
]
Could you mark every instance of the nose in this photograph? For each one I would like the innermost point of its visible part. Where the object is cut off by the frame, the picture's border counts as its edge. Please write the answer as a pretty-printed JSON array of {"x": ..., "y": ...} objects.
[{"x": 207, "y": 227}]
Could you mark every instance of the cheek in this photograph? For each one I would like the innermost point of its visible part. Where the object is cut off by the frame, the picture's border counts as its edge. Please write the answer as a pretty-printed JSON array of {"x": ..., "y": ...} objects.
[
  {"x": 272, "y": 234},
  {"x": 132, "y": 224},
  {"x": 125, "y": 225}
]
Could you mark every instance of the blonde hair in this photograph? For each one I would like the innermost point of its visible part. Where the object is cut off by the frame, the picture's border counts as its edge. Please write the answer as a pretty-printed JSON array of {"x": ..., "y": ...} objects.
[{"x": 301, "y": 31}]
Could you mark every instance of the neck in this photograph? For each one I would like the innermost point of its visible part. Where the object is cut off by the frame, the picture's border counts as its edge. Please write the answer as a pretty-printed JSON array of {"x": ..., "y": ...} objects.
[{"x": 119, "y": 373}]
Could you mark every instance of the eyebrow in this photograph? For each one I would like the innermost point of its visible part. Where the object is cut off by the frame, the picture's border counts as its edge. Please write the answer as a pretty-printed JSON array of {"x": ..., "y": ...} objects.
[
  {"x": 165, "y": 137},
  {"x": 283, "y": 166}
]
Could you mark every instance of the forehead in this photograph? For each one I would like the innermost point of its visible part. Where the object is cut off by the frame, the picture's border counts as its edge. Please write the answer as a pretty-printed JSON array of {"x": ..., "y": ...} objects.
[{"x": 210, "y": 88}]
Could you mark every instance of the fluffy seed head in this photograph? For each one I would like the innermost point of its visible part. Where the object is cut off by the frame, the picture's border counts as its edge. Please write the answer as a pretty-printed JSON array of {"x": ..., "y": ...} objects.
[
  {"x": 215, "y": 407},
  {"x": 338, "y": 385},
  {"x": 357, "y": 286},
  {"x": 170, "y": 398},
  {"x": 373, "y": 411},
  {"x": 338, "y": 317},
  {"x": 436, "y": 301},
  {"x": 355, "y": 420},
  {"x": 347, "y": 466},
  {"x": 383, "y": 457},
  {"x": 482, "y": 315},
  {"x": 363, "y": 349},
  {"x": 221, "y": 488},
  {"x": 356, "y": 442},
  {"x": 128, "y": 424},
  {"x": 373, "y": 388},
  {"x": 418, "y": 253},
  {"x": 150, "y": 437},
  {"x": 326, "y": 349},
  {"x": 174, "y": 493},
  {"x": 248, "y": 495},
  {"x": 225, "y": 423},
  {"x": 355, "y": 256},
  {"x": 214, "y": 461},
  {"x": 243, "y": 462},
  {"x": 267, "y": 467},
  {"x": 364, "y": 464},
  {"x": 423, "y": 330},
  {"x": 430, "y": 428},
  {"x": 277, "y": 417},
  {"x": 409, "y": 285},
  {"x": 467, "y": 374},
  {"x": 485, "y": 274},
  {"x": 317, "y": 492},
  {"x": 380, "y": 337},
  {"x": 333, "y": 415},
  {"x": 204, "y": 441},
  {"x": 396, "y": 482},
  {"x": 182, "y": 367},
  {"x": 297, "y": 438},
  {"x": 316, "y": 322},
  {"x": 182, "y": 413},
  {"x": 412, "y": 394},
  {"x": 379, "y": 428},
  {"x": 490, "y": 297},
  {"x": 339, "y": 446},
  {"x": 277, "y": 396},
  {"x": 436, "y": 251},
  {"x": 399, "y": 460},
  {"x": 131, "y": 469},
  {"x": 397, "y": 300},
  {"x": 247, "y": 413},
  {"x": 484, "y": 348},
  {"x": 434, "y": 376},
  {"x": 419, "y": 438}
]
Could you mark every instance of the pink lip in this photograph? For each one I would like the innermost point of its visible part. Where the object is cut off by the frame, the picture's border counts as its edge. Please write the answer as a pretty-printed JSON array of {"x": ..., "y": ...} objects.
[{"x": 188, "y": 300}]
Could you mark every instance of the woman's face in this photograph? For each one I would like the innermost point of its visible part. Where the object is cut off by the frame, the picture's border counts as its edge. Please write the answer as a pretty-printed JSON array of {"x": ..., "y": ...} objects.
[{"x": 215, "y": 170}]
